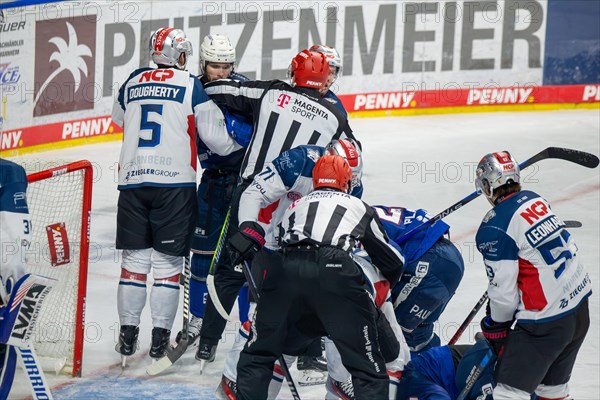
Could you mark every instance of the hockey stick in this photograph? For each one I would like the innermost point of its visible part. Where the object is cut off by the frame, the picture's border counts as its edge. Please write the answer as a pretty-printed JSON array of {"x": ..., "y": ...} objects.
[
  {"x": 575, "y": 156},
  {"x": 210, "y": 279},
  {"x": 572, "y": 224},
  {"x": 475, "y": 373},
  {"x": 469, "y": 318},
  {"x": 284, "y": 366},
  {"x": 35, "y": 376},
  {"x": 176, "y": 353}
]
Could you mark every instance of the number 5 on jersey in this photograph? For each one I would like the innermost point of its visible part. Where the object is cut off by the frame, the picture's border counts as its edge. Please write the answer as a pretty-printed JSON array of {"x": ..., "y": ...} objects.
[{"x": 152, "y": 126}]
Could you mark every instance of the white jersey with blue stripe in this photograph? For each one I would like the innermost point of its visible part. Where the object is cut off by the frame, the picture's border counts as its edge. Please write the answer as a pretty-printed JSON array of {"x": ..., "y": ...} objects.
[
  {"x": 282, "y": 181},
  {"x": 161, "y": 111},
  {"x": 534, "y": 272}
]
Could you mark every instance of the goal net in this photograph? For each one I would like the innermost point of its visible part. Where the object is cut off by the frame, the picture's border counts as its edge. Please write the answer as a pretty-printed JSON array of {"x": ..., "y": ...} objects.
[{"x": 59, "y": 197}]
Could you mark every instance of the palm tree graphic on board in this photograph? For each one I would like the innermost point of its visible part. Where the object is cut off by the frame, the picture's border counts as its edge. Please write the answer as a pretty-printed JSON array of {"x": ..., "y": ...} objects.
[{"x": 69, "y": 57}]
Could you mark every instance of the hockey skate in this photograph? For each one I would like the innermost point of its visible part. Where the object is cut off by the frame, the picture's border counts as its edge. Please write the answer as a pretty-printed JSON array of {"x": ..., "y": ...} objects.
[
  {"x": 206, "y": 353},
  {"x": 193, "y": 331},
  {"x": 227, "y": 389},
  {"x": 128, "y": 342},
  {"x": 160, "y": 342},
  {"x": 337, "y": 390},
  {"x": 313, "y": 370}
]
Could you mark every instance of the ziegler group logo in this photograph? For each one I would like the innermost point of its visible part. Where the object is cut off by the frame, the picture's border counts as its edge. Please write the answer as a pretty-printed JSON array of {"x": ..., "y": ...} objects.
[{"x": 64, "y": 65}]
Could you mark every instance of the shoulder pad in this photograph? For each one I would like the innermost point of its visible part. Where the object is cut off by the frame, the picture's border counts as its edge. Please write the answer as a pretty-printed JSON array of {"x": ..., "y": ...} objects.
[
  {"x": 489, "y": 215},
  {"x": 11, "y": 172},
  {"x": 238, "y": 77}
]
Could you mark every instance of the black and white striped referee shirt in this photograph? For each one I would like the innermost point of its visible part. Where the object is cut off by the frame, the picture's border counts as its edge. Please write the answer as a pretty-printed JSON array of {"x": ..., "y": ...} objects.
[
  {"x": 334, "y": 218},
  {"x": 284, "y": 117}
]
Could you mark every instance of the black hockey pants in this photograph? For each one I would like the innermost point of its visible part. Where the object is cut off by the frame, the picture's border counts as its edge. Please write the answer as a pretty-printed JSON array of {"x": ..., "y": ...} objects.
[
  {"x": 228, "y": 280},
  {"x": 315, "y": 291}
]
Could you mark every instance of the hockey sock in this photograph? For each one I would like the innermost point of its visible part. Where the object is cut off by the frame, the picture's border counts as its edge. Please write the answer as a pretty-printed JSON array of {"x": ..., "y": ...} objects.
[
  {"x": 198, "y": 297},
  {"x": 131, "y": 297},
  {"x": 278, "y": 377},
  {"x": 243, "y": 304},
  {"x": 164, "y": 300},
  {"x": 230, "y": 368}
]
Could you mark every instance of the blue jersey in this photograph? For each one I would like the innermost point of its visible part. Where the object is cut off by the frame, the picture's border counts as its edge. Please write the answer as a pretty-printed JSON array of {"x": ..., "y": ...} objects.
[
  {"x": 240, "y": 128},
  {"x": 432, "y": 272},
  {"x": 397, "y": 221},
  {"x": 440, "y": 374},
  {"x": 332, "y": 98},
  {"x": 431, "y": 372}
]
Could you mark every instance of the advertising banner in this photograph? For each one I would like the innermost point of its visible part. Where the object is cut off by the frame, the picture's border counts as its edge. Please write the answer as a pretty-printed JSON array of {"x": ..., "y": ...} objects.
[{"x": 61, "y": 64}]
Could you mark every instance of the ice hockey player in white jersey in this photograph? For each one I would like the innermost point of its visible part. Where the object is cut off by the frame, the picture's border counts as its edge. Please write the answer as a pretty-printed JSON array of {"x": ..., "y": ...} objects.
[
  {"x": 536, "y": 282},
  {"x": 161, "y": 111}
]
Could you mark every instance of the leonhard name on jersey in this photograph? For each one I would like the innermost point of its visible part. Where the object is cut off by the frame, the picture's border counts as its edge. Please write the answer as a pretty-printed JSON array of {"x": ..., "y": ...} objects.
[
  {"x": 542, "y": 230},
  {"x": 307, "y": 110}
]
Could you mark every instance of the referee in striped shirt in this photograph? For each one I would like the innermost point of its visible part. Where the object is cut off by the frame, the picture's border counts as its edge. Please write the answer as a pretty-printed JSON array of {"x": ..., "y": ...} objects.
[{"x": 318, "y": 290}]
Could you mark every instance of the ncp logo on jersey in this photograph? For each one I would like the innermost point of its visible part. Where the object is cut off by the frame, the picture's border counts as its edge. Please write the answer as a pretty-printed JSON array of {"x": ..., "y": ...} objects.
[
  {"x": 283, "y": 100},
  {"x": 65, "y": 65}
]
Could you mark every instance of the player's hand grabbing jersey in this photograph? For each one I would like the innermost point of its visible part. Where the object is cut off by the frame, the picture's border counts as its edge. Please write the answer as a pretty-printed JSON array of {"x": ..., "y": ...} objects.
[
  {"x": 284, "y": 117},
  {"x": 531, "y": 261},
  {"x": 338, "y": 219},
  {"x": 161, "y": 110}
]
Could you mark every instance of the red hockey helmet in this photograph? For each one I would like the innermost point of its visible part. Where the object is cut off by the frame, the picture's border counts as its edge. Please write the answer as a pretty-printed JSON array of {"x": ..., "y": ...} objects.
[
  {"x": 309, "y": 69},
  {"x": 351, "y": 153},
  {"x": 332, "y": 171}
]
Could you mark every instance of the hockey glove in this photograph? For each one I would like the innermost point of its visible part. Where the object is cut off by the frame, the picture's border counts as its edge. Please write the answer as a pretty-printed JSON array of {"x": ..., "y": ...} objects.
[
  {"x": 246, "y": 242},
  {"x": 239, "y": 128},
  {"x": 496, "y": 333}
]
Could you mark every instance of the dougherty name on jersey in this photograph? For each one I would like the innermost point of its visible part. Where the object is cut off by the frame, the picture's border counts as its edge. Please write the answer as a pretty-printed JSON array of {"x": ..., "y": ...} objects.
[{"x": 156, "y": 91}]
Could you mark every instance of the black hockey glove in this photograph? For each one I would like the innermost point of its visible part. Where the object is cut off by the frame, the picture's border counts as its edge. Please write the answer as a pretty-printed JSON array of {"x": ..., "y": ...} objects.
[
  {"x": 496, "y": 333},
  {"x": 246, "y": 242}
]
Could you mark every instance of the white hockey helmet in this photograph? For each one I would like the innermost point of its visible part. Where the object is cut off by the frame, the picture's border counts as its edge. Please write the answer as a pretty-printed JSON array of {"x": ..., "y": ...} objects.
[
  {"x": 216, "y": 47},
  {"x": 167, "y": 44},
  {"x": 495, "y": 170},
  {"x": 332, "y": 56},
  {"x": 351, "y": 153}
]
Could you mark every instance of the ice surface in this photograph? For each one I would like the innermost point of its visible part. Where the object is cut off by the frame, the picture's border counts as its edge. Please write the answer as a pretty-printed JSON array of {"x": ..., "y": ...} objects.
[{"x": 418, "y": 162}]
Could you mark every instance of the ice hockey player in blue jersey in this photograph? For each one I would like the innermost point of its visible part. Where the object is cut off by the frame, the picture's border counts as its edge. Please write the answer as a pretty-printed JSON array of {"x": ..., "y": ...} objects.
[
  {"x": 441, "y": 373},
  {"x": 219, "y": 178},
  {"x": 536, "y": 283},
  {"x": 433, "y": 270}
]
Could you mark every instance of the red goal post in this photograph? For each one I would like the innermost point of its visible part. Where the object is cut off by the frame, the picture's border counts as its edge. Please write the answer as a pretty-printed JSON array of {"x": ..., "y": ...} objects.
[{"x": 59, "y": 197}]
